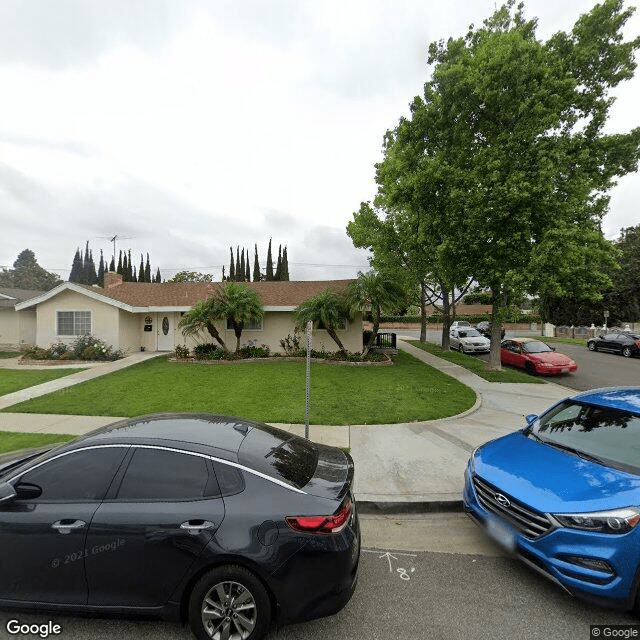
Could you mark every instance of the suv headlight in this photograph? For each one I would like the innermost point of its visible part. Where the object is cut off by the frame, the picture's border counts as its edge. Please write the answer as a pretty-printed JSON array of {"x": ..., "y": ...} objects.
[{"x": 616, "y": 521}]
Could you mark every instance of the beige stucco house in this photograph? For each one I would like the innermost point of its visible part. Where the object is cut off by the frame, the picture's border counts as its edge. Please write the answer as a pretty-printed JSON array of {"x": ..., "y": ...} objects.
[
  {"x": 131, "y": 315},
  {"x": 16, "y": 328}
]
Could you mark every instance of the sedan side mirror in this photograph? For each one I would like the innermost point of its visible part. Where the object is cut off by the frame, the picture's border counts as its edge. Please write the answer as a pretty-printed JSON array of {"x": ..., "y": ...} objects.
[
  {"x": 530, "y": 419},
  {"x": 26, "y": 491},
  {"x": 7, "y": 492}
]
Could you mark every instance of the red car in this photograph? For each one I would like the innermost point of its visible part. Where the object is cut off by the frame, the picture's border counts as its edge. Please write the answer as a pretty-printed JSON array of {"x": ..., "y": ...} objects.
[{"x": 535, "y": 356}]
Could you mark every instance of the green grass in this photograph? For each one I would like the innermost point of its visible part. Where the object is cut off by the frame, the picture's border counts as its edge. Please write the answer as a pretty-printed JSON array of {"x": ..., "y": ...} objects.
[
  {"x": 13, "y": 441},
  {"x": 14, "y": 379},
  {"x": 268, "y": 391},
  {"x": 9, "y": 354},
  {"x": 476, "y": 365}
]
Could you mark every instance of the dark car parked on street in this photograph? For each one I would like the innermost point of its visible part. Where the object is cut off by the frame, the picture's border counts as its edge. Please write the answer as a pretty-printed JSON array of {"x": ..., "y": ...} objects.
[
  {"x": 623, "y": 342},
  {"x": 484, "y": 327},
  {"x": 230, "y": 524}
]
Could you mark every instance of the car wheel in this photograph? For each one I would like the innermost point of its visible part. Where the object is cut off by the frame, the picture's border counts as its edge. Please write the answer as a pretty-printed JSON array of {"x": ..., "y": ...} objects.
[
  {"x": 626, "y": 352},
  {"x": 592, "y": 346},
  {"x": 229, "y": 603},
  {"x": 529, "y": 368}
]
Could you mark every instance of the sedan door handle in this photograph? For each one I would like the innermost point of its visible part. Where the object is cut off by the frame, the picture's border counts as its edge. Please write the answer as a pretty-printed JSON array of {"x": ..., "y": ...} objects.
[
  {"x": 196, "y": 526},
  {"x": 66, "y": 526}
]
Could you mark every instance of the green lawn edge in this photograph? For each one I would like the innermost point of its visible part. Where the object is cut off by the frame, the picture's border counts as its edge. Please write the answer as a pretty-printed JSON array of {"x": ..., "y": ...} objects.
[
  {"x": 16, "y": 379},
  {"x": 16, "y": 440},
  {"x": 475, "y": 365},
  {"x": 407, "y": 391}
]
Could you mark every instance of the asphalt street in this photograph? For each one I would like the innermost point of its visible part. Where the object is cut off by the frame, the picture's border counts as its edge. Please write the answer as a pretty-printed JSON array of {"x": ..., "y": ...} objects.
[{"x": 414, "y": 582}]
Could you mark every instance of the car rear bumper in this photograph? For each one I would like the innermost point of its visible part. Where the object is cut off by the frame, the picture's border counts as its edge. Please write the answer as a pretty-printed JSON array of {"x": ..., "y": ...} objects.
[{"x": 557, "y": 554}]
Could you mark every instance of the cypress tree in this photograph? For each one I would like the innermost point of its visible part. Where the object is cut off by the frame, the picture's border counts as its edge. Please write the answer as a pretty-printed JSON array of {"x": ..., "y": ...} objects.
[
  {"x": 243, "y": 269},
  {"x": 112, "y": 265},
  {"x": 237, "y": 263},
  {"x": 134, "y": 275},
  {"x": 278, "y": 275},
  {"x": 92, "y": 276},
  {"x": 85, "y": 265},
  {"x": 130, "y": 267},
  {"x": 247, "y": 275},
  {"x": 141, "y": 269},
  {"x": 101, "y": 270},
  {"x": 76, "y": 267},
  {"x": 158, "y": 277},
  {"x": 232, "y": 269},
  {"x": 119, "y": 269},
  {"x": 125, "y": 269},
  {"x": 147, "y": 271},
  {"x": 256, "y": 267},
  {"x": 269, "y": 263},
  {"x": 223, "y": 276},
  {"x": 285, "y": 265}
]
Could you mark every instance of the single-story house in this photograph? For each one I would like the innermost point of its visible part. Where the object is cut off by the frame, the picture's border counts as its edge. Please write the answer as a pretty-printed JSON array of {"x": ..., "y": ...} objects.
[
  {"x": 16, "y": 328},
  {"x": 132, "y": 315}
]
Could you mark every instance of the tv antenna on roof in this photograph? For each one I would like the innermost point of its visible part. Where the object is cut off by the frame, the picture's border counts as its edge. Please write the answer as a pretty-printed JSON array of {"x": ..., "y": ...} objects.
[{"x": 113, "y": 239}]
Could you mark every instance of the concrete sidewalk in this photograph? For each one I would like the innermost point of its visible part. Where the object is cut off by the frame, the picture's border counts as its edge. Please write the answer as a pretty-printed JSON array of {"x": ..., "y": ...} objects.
[{"x": 410, "y": 466}]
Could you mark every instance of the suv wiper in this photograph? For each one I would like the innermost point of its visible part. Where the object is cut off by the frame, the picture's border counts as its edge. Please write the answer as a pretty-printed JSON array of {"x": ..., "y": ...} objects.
[{"x": 577, "y": 452}]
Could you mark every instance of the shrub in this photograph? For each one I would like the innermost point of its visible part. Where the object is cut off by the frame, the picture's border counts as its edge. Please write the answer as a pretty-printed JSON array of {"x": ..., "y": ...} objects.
[
  {"x": 57, "y": 350},
  {"x": 291, "y": 344},
  {"x": 207, "y": 351},
  {"x": 181, "y": 351},
  {"x": 251, "y": 351}
]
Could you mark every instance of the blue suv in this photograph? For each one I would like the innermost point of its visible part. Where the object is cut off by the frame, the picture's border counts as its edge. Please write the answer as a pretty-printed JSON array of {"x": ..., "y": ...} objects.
[{"x": 563, "y": 494}]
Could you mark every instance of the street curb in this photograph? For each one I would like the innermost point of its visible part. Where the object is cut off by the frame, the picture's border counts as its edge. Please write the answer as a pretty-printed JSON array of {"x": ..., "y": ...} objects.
[{"x": 366, "y": 507}]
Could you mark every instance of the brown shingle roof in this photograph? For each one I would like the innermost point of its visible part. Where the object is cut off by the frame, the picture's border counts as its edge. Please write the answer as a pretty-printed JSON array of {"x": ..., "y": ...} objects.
[
  {"x": 185, "y": 294},
  {"x": 16, "y": 296}
]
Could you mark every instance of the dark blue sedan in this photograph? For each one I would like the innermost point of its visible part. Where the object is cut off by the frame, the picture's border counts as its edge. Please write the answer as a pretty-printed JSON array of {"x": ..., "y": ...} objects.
[{"x": 563, "y": 494}]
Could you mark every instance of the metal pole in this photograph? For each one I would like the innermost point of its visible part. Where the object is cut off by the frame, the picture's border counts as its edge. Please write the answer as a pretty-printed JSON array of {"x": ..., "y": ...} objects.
[{"x": 306, "y": 413}]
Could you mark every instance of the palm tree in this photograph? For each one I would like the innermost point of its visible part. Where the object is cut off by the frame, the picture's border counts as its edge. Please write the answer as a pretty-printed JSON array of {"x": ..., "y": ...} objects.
[
  {"x": 329, "y": 308},
  {"x": 202, "y": 317},
  {"x": 241, "y": 305},
  {"x": 378, "y": 291}
]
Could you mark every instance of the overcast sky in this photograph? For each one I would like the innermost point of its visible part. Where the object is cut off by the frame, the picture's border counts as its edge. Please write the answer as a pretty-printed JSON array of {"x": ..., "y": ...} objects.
[{"x": 187, "y": 126}]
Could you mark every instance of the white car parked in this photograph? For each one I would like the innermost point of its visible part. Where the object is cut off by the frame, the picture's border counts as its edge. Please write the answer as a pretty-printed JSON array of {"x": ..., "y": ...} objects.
[{"x": 468, "y": 340}]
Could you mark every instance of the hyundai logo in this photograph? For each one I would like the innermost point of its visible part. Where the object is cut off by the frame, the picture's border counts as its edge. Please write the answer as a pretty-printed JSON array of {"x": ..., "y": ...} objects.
[{"x": 503, "y": 501}]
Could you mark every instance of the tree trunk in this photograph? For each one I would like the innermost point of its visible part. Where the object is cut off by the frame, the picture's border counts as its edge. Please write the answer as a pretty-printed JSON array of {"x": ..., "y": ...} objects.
[
  {"x": 237, "y": 329},
  {"x": 213, "y": 332},
  {"x": 334, "y": 336},
  {"x": 423, "y": 312},
  {"x": 494, "y": 353},
  {"x": 446, "y": 317},
  {"x": 374, "y": 332}
]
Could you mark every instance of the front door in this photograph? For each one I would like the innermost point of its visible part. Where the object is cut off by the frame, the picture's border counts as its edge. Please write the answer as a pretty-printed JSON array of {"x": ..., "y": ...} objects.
[{"x": 165, "y": 329}]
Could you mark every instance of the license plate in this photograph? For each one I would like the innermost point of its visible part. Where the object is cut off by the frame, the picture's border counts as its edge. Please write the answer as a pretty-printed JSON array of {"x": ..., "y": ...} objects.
[
  {"x": 565, "y": 370},
  {"x": 503, "y": 535}
]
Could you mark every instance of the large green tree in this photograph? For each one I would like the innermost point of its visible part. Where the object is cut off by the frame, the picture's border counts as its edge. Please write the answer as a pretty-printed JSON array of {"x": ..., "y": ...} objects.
[
  {"x": 28, "y": 274},
  {"x": 191, "y": 276},
  {"x": 505, "y": 159}
]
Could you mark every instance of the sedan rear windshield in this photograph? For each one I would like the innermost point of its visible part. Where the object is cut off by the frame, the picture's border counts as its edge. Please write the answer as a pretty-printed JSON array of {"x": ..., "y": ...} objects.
[
  {"x": 279, "y": 455},
  {"x": 604, "y": 433}
]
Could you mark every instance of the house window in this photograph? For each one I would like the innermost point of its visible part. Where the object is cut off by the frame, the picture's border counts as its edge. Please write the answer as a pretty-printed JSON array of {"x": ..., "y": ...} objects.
[
  {"x": 73, "y": 323},
  {"x": 341, "y": 326},
  {"x": 251, "y": 325}
]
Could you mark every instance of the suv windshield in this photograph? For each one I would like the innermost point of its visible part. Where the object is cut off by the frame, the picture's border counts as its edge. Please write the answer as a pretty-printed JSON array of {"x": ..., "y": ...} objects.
[{"x": 601, "y": 432}]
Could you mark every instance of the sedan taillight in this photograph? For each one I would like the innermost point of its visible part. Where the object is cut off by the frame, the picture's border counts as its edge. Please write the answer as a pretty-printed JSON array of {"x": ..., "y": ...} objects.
[
  {"x": 322, "y": 524},
  {"x": 638, "y": 344}
]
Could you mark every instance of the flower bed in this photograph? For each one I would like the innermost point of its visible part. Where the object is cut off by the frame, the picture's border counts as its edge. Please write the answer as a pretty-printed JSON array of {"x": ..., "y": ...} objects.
[{"x": 384, "y": 362}]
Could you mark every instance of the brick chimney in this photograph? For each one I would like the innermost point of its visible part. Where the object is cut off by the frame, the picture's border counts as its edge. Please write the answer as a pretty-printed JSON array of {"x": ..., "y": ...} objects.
[{"x": 112, "y": 279}]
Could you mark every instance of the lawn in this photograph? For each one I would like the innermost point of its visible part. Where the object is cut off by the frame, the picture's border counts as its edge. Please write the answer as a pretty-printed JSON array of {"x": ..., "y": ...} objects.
[
  {"x": 476, "y": 365},
  {"x": 267, "y": 391},
  {"x": 9, "y": 354},
  {"x": 13, "y": 441},
  {"x": 579, "y": 341},
  {"x": 14, "y": 379}
]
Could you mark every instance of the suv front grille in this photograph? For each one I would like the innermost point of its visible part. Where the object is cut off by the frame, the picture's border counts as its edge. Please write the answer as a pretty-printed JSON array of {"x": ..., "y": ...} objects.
[{"x": 530, "y": 523}]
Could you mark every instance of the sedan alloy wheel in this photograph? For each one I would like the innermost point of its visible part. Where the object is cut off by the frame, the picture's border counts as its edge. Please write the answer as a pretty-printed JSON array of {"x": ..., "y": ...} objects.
[
  {"x": 229, "y": 603},
  {"x": 626, "y": 352},
  {"x": 592, "y": 346}
]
